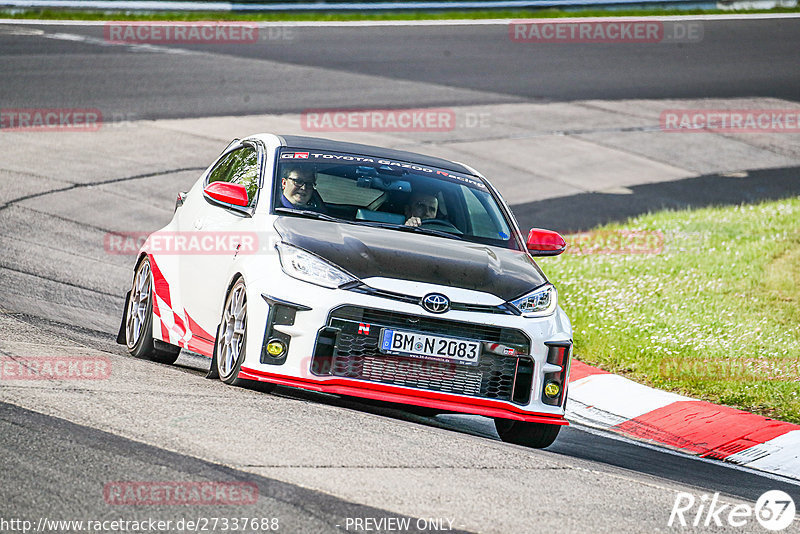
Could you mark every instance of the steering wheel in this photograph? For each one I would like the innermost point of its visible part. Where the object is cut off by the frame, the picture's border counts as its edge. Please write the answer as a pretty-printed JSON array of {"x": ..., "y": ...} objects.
[{"x": 440, "y": 222}]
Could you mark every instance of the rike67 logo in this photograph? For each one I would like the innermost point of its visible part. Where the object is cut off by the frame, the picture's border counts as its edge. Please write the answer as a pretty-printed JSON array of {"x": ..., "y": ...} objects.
[{"x": 774, "y": 510}]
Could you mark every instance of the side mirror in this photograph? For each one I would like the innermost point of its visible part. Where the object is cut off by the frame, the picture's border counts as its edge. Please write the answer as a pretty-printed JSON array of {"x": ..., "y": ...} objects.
[
  {"x": 228, "y": 193},
  {"x": 545, "y": 242}
]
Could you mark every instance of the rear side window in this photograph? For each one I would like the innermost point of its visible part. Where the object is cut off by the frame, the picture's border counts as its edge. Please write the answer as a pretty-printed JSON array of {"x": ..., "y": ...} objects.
[{"x": 238, "y": 167}]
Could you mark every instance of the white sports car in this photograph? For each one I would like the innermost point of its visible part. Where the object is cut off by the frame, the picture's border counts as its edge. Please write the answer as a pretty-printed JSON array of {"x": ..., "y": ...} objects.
[{"x": 359, "y": 271}]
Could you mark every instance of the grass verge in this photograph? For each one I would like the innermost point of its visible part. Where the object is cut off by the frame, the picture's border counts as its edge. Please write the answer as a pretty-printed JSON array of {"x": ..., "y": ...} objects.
[
  {"x": 714, "y": 315},
  {"x": 66, "y": 14}
]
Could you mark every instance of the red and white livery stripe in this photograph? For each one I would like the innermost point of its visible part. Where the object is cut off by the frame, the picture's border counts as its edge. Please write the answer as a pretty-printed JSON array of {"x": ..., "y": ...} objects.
[{"x": 176, "y": 327}]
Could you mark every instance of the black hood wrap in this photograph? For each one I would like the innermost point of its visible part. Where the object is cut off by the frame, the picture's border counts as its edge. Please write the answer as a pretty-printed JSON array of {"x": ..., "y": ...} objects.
[{"x": 366, "y": 251}]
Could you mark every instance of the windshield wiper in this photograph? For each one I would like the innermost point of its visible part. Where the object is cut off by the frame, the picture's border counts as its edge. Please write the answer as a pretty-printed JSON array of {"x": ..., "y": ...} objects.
[
  {"x": 309, "y": 213},
  {"x": 417, "y": 229}
]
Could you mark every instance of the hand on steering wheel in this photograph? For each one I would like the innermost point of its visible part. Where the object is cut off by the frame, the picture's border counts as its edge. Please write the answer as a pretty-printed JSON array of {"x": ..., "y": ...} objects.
[{"x": 440, "y": 222}]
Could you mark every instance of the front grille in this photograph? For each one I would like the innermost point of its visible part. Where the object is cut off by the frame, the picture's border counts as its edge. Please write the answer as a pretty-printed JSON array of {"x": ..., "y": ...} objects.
[
  {"x": 419, "y": 374},
  {"x": 354, "y": 334}
]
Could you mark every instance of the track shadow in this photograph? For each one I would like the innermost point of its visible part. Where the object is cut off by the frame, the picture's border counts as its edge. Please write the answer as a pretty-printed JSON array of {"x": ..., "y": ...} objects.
[
  {"x": 584, "y": 211},
  {"x": 581, "y": 443}
]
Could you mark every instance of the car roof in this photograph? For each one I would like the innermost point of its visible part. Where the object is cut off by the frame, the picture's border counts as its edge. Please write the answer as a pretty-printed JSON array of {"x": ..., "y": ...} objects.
[{"x": 316, "y": 143}]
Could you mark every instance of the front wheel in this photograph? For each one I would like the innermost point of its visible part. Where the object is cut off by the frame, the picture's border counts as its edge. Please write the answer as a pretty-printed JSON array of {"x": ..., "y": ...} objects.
[
  {"x": 232, "y": 335},
  {"x": 139, "y": 319},
  {"x": 536, "y": 435}
]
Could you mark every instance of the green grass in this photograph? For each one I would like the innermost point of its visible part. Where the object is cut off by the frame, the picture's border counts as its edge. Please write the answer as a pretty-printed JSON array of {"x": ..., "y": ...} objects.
[
  {"x": 58, "y": 14},
  {"x": 715, "y": 315}
]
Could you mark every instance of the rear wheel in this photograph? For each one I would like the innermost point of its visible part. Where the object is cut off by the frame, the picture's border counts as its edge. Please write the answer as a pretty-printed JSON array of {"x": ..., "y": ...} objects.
[
  {"x": 139, "y": 319},
  {"x": 536, "y": 435}
]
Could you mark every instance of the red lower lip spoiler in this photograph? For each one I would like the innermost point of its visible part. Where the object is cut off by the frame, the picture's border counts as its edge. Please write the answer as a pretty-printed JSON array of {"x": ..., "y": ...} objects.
[{"x": 399, "y": 395}]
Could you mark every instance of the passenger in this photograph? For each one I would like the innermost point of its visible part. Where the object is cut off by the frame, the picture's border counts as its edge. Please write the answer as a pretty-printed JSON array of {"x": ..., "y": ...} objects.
[
  {"x": 421, "y": 206},
  {"x": 298, "y": 185}
]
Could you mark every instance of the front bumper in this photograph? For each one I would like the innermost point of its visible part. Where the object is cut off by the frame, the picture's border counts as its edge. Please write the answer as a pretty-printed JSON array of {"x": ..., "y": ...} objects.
[
  {"x": 334, "y": 349},
  {"x": 381, "y": 392}
]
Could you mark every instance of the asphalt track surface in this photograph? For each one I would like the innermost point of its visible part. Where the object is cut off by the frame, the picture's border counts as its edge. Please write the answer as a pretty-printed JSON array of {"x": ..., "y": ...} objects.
[
  {"x": 296, "y": 68},
  {"x": 320, "y": 450}
]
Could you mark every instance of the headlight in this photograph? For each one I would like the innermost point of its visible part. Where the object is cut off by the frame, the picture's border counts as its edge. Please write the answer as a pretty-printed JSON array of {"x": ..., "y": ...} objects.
[
  {"x": 305, "y": 266},
  {"x": 538, "y": 303}
]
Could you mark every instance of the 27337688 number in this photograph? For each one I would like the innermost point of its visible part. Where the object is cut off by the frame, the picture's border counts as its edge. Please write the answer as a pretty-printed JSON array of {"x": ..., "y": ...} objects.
[{"x": 232, "y": 524}]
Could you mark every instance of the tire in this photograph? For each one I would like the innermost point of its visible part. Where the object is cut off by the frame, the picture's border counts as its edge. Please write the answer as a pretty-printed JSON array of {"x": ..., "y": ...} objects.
[
  {"x": 138, "y": 323},
  {"x": 536, "y": 435},
  {"x": 229, "y": 346}
]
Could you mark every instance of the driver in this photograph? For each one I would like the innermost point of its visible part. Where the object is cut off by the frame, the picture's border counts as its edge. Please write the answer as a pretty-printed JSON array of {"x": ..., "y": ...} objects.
[
  {"x": 298, "y": 186},
  {"x": 421, "y": 206}
]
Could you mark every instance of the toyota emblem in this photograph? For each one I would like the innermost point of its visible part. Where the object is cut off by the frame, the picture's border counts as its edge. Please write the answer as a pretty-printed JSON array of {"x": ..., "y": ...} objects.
[{"x": 435, "y": 303}]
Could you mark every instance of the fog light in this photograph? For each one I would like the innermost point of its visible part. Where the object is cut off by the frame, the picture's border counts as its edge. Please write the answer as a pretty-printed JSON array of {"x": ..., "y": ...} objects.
[
  {"x": 552, "y": 389},
  {"x": 275, "y": 347}
]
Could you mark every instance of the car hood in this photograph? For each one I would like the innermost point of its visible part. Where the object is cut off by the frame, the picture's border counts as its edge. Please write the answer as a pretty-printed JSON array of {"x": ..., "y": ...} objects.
[{"x": 366, "y": 251}]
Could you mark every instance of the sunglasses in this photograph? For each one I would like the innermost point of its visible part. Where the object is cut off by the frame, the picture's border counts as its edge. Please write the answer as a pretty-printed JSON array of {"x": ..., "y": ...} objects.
[{"x": 300, "y": 184}]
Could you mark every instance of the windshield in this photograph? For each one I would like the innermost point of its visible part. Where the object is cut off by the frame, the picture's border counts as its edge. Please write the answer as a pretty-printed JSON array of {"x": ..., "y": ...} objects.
[{"x": 393, "y": 194}]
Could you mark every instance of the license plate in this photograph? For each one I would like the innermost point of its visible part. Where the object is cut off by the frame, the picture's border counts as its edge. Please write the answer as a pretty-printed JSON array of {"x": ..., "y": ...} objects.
[{"x": 430, "y": 347}]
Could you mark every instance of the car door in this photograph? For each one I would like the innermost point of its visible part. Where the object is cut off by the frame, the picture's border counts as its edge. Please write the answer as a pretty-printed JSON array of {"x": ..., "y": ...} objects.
[{"x": 220, "y": 229}]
